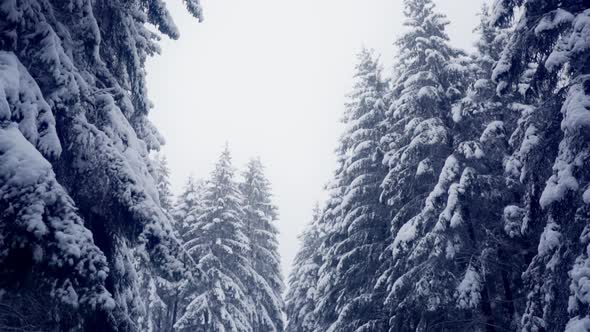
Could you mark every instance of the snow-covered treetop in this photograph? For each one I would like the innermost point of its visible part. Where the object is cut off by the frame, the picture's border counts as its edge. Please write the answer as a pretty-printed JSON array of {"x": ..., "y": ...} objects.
[
  {"x": 217, "y": 240},
  {"x": 224, "y": 171},
  {"x": 360, "y": 116},
  {"x": 162, "y": 178},
  {"x": 424, "y": 64},
  {"x": 256, "y": 188},
  {"x": 222, "y": 212},
  {"x": 421, "y": 14}
]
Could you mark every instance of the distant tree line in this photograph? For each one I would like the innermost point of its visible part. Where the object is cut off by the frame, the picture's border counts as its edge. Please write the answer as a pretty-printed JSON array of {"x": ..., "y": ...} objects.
[{"x": 227, "y": 227}]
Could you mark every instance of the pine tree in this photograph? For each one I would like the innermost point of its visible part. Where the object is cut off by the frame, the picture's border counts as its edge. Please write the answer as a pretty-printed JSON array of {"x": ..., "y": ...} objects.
[
  {"x": 161, "y": 297},
  {"x": 74, "y": 107},
  {"x": 166, "y": 300},
  {"x": 550, "y": 47},
  {"x": 357, "y": 240},
  {"x": 421, "y": 99},
  {"x": 154, "y": 308},
  {"x": 325, "y": 311},
  {"x": 301, "y": 298},
  {"x": 260, "y": 215},
  {"x": 188, "y": 206},
  {"x": 162, "y": 178},
  {"x": 430, "y": 78},
  {"x": 217, "y": 241},
  {"x": 470, "y": 238}
]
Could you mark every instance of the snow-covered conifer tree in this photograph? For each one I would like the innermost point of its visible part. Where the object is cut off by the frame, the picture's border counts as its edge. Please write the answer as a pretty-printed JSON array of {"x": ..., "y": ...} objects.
[
  {"x": 551, "y": 48},
  {"x": 463, "y": 250},
  {"x": 330, "y": 219},
  {"x": 162, "y": 178},
  {"x": 188, "y": 206},
  {"x": 429, "y": 80},
  {"x": 161, "y": 297},
  {"x": 301, "y": 298},
  {"x": 357, "y": 240},
  {"x": 260, "y": 216},
  {"x": 418, "y": 119},
  {"x": 74, "y": 111},
  {"x": 166, "y": 300},
  {"x": 216, "y": 239}
]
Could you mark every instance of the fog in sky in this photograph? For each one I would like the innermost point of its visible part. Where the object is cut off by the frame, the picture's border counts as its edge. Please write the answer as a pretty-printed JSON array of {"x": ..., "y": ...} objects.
[{"x": 270, "y": 78}]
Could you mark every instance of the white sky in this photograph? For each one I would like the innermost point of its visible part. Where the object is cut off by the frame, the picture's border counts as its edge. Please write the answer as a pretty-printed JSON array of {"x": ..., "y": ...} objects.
[{"x": 269, "y": 77}]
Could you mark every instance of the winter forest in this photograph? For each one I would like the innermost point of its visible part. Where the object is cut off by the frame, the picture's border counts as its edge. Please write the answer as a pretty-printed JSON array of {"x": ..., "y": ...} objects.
[{"x": 460, "y": 200}]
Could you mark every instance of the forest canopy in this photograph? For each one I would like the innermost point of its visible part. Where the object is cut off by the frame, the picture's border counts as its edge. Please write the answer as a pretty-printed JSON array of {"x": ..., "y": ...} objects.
[{"x": 459, "y": 202}]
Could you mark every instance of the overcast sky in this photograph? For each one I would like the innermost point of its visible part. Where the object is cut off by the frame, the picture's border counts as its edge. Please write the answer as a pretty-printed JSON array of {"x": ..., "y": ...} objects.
[{"x": 269, "y": 77}]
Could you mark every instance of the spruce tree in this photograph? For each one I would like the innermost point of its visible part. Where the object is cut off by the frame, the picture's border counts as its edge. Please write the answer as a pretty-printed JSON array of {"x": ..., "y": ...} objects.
[
  {"x": 470, "y": 237},
  {"x": 171, "y": 298},
  {"x": 216, "y": 239},
  {"x": 75, "y": 110},
  {"x": 357, "y": 240},
  {"x": 162, "y": 297},
  {"x": 153, "y": 318},
  {"x": 188, "y": 206},
  {"x": 301, "y": 299},
  {"x": 329, "y": 221},
  {"x": 260, "y": 218},
  {"x": 550, "y": 47},
  {"x": 162, "y": 177},
  {"x": 430, "y": 78}
]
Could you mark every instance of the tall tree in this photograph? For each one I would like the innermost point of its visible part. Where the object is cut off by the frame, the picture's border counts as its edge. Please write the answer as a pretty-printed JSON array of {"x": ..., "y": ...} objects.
[
  {"x": 470, "y": 237},
  {"x": 358, "y": 239},
  {"x": 429, "y": 80},
  {"x": 162, "y": 177},
  {"x": 217, "y": 240},
  {"x": 301, "y": 299},
  {"x": 553, "y": 36},
  {"x": 188, "y": 206},
  {"x": 74, "y": 106},
  {"x": 260, "y": 215},
  {"x": 161, "y": 296},
  {"x": 168, "y": 299},
  {"x": 325, "y": 311}
]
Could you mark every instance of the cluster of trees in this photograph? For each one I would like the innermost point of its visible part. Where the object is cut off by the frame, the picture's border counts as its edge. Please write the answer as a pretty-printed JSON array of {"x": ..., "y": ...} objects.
[
  {"x": 461, "y": 197},
  {"x": 460, "y": 201},
  {"x": 78, "y": 199},
  {"x": 87, "y": 234},
  {"x": 227, "y": 228}
]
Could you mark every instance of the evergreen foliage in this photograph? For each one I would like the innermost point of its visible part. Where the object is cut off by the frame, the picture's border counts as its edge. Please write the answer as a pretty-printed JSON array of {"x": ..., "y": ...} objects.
[
  {"x": 459, "y": 202},
  {"x": 77, "y": 195},
  {"x": 301, "y": 299},
  {"x": 260, "y": 217},
  {"x": 356, "y": 240},
  {"x": 486, "y": 158},
  {"x": 217, "y": 240}
]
